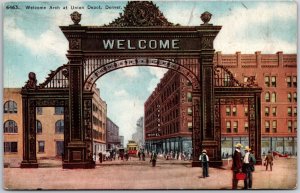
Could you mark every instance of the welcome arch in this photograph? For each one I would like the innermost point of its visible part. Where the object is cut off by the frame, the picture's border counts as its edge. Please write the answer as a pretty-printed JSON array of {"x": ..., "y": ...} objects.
[{"x": 189, "y": 52}]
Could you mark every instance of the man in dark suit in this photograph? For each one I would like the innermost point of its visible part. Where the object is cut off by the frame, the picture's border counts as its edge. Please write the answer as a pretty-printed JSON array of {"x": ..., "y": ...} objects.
[{"x": 236, "y": 164}]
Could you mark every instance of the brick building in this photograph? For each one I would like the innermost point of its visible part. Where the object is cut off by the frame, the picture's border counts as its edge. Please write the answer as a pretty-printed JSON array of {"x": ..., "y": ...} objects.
[
  {"x": 166, "y": 126},
  {"x": 49, "y": 127},
  {"x": 275, "y": 73}
]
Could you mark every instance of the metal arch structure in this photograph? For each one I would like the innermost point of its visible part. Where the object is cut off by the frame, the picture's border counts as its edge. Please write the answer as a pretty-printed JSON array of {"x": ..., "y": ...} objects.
[
  {"x": 94, "y": 68},
  {"x": 137, "y": 38}
]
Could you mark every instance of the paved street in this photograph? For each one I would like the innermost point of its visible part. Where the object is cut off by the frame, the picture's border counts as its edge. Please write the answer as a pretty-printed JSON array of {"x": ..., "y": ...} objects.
[{"x": 134, "y": 174}]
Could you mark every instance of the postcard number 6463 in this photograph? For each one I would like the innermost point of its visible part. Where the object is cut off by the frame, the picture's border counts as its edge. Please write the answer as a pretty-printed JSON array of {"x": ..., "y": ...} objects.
[{"x": 12, "y": 7}]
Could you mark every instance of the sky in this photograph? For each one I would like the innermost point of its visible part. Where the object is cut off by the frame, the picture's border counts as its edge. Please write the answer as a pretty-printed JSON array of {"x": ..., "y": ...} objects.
[{"x": 33, "y": 42}]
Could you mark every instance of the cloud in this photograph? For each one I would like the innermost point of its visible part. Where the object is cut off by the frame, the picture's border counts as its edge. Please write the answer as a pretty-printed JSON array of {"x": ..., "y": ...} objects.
[
  {"x": 157, "y": 74},
  {"x": 48, "y": 42},
  {"x": 121, "y": 93},
  {"x": 130, "y": 72},
  {"x": 259, "y": 28},
  {"x": 250, "y": 30}
]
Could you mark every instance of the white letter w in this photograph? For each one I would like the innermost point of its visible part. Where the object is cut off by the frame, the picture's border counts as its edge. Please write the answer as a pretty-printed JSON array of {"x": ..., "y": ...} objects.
[{"x": 108, "y": 44}]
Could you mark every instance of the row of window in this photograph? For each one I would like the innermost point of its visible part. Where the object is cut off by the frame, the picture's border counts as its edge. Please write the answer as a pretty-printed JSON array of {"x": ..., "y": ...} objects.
[
  {"x": 291, "y": 81},
  {"x": 233, "y": 128},
  {"x": 59, "y": 127},
  {"x": 57, "y": 110},
  {"x": 11, "y": 107},
  {"x": 96, "y": 109},
  {"x": 233, "y": 111},
  {"x": 272, "y": 97},
  {"x": 11, "y": 126},
  {"x": 270, "y": 81},
  {"x": 12, "y": 147},
  {"x": 290, "y": 97},
  {"x": 290, "y": 126}
]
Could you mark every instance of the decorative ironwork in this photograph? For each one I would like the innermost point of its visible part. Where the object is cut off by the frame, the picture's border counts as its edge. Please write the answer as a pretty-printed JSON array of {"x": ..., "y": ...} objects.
[
  {"x": 76, "y": 17},
  {"x": 87, "y": 119},
  {"x": 205, "y": 17},
  {"x": 252, "y": 124},
  {"x": 100, "y": 68},
  {"x": 32, "y": 82},
  {"x": 74, "y": 44},
  {"x": 196, "y": 137},
  {"x": 217, "y": 117},
  {"x": 67, "y": 138},
  {"x": 224, "y": 78},
  {"x": 32, "y": 131},
  {"x": 251, "y": 81},
  {"x": 141, "y": 13},
  {"x": 57, "y": 78},
  {"x": 207, "y": 42},
  {"x": 207, "y": 95}
]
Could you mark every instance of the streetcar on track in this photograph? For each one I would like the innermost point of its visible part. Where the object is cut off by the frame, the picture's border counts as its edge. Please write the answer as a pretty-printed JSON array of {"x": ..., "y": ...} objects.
[{"x": 132, "y": 148}]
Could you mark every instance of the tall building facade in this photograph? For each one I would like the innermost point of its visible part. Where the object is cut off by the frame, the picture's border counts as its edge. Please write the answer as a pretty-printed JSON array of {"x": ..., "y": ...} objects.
[
  {"x": 49, "y": 127},
  {"x": 277, "y": 75},
  {"x": 166, "y": 120},
  {"x": 168, "y": 115},
  {"x": 138, "y": 136},
  {"x": 99, "y": 108},
  {"x": 112, "y": 134},
  {"x": 12, "y": 126}
]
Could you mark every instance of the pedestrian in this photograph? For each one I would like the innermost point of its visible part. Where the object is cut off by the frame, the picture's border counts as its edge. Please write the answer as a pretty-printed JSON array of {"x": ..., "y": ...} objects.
[
  {"x": 143, "y": 156},
  {"x": 100, "y": 157},
  {"x": 248, "y": 167},
  {"x": 139, "y": 155},
  {"x": 204, "y": 160},
  {"x": 268, "y": 161},
  {"x": 153, "y": 158},
  {"x": 236, "y": 164}
]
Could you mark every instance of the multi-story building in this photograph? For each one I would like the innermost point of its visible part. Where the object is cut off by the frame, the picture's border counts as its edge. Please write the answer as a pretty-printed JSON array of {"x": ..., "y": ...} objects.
[
  {"x": 49, "y": 127},
  {"x": 275, "y": 73},
  {"x": 138, "y": 135},
  {"x": 99, "y": 108},
  {"x": 112, "y": 134},
  {"x": 12, "y": 127},
  {"x": 168, "y": 115}
]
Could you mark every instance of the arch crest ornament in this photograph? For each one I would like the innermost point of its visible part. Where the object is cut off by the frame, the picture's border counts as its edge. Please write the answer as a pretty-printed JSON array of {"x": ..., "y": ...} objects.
[{"x": 141, "y": 13}]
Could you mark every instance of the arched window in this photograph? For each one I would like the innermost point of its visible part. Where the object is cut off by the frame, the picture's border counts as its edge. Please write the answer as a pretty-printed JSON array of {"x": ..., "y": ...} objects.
[
  {"x": 59, "y": 126},
  {"x": 273, "y": 100},
  {"x": 39, "y": 128},
  {"x": 10, "y": 126},
  {"x": 267, "y": 97},
  {"x": 10, "y": 107}
]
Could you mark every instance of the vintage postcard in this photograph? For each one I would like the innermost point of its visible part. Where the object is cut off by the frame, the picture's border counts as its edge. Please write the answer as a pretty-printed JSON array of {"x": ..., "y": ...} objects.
[{"x": 149, "y": 95}]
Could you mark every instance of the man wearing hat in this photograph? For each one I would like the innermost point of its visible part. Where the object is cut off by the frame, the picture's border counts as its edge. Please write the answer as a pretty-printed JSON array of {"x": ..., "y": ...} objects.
[
  {"x": 248, "y": 167},
  {"x": 236, "y": 164},
  {"x": 204, "y": 159}
]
